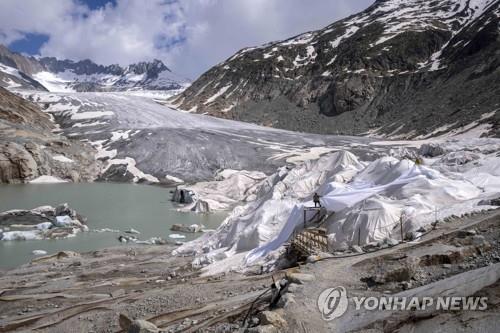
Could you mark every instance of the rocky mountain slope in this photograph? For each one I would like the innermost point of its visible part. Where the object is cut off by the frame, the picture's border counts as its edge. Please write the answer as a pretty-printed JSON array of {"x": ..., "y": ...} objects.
[
  {"x": 19, "y": 71},
  {"x": 29, "y": 149},
  {"x": 412, "y": 69}
]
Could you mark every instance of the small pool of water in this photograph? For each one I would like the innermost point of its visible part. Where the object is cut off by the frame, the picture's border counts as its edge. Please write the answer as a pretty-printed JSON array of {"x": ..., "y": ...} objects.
[{"x": 147, "y": 209}]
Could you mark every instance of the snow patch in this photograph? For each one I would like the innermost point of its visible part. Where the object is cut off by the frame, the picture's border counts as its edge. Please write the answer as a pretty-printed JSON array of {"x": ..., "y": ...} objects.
[
  {"x": 62, "y": 159},
  {"x": 47, "y": 180}
]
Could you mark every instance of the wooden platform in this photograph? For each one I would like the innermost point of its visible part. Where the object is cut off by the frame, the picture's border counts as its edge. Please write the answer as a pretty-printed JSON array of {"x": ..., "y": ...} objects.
[{"x": 310, "y": 241}]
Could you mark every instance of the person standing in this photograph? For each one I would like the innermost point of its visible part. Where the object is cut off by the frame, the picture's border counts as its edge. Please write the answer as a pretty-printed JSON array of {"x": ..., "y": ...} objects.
[{"x": 316, "y": 197}]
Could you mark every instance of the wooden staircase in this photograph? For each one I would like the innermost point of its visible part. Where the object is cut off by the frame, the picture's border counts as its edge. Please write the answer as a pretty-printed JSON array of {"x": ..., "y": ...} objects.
[
  {"x": 310, "y": 241},
  {"x": 313, "y": 238}
]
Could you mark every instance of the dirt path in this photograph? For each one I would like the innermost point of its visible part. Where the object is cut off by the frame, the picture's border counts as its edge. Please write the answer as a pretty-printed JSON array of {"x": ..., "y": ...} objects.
[{"x": 73, "y": 292}]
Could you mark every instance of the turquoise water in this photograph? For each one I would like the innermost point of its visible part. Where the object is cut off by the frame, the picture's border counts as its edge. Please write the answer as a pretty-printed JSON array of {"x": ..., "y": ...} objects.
[{"x": 147, "y": 209}]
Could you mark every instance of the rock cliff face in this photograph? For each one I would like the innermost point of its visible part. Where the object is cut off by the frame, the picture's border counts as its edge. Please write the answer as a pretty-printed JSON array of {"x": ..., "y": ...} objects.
[
  {"x": 29, "y": 148},
  {"x": 412, "y": 68}
]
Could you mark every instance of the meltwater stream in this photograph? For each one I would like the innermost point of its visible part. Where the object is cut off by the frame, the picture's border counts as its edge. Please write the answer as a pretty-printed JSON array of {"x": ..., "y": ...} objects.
[{"x": 147, "y": 209}]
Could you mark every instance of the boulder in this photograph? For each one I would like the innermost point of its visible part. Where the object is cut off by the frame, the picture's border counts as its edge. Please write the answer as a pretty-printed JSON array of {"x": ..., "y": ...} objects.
[
  {"x": 201, "y": 206},
  {"x": 300, "y": 278},
  {"x": 65, "y": 210},
  {"x": 431, "y": 150},
  {"x": 466, "y": 233},
  {"x": 187, "y": 228},
  {"x": 25, "y": 217},
  {"x": 142, "y": 326},
  {"x": 16, "y": 163},
  {"x": 356, "y": 249},
  {"x": 274, "y": 318}
]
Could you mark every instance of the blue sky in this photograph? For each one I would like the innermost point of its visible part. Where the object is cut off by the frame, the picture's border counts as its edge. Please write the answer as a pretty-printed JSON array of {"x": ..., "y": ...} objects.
[{"x": 190, "y": 36}]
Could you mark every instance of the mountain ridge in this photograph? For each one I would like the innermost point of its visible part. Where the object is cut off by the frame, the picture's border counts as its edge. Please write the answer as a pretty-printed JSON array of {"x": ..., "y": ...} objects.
[
  {"x": 50, "y": 73},
  {"x": 361, "y": 75}
]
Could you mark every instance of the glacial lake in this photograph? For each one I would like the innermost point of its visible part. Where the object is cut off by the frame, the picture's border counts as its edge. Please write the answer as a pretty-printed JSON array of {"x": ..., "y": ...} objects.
[{"x": 145, "y": 208}]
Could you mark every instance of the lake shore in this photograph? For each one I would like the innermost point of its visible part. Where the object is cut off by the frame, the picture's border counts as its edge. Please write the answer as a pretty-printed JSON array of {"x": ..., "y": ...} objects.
[{"x": 89, "y": 291}]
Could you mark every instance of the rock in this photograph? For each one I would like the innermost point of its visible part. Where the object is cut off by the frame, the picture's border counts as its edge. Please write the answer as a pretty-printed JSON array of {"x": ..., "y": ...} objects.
[
  {"x": 294, "y": 287},
  {"x": 126, "y": 239},
  {"x": 193, "y": 228},
  {"x": 374, "y": 280},
  {"x": 132, "y": 231},
  {"x": 356, "y": 249},
  {"x": 142, "y": 326},
  {"x": 39, "y": 252},
  {"x": 274, "y": 318},
  {"x": 431, "y": 150},
  {"x": 201, "y": 206},
  {"x": 371, "y": 246},
  {"x": 26, "y": 217},
  {"x": 300, "y": 278},
  {"x": 312, "y": 258},
  {"x": 478, "y": 240},
  {"x": 412, "y": 235},
  {"x": 67, "y": 254},
  {"x": 16, "y": 163},
  {"x": 63, "y": 209},
  {"x": 254, "y": 321},
  {"x": 406, "y": 285},
  {"x": 447, "y": 266},
  {"x": 466, "y": 233},
  {"x": 390, "y": 242},
  {"x": 124, "y": 322},
  {"x": 286, "y": 300}
]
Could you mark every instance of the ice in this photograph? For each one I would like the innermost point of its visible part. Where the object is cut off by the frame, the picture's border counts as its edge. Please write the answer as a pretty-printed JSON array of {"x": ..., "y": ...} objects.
[
  {"x": 65, "y": 221},
  {"x": 91, "y": 115},
  {"x": 174, "y": 179},
  {"x": 138, "y": 174},
  {"x": 176, "y": 236},
  {"x": 44, "y": 225},
  {"x": 21, "y": 235},
  {"x": 47, "y": 180},
  {"x": 39, "y": 252}
]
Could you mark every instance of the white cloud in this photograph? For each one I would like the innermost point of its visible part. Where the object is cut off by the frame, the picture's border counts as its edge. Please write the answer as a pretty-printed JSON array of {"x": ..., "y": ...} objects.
[{"x": 189, "y": 35}]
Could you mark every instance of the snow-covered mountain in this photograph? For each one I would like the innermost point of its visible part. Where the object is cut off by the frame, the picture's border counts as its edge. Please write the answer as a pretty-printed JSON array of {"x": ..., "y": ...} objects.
[
  {"x": 401, "y": 68},
  {"x": 19, "y": 71}
]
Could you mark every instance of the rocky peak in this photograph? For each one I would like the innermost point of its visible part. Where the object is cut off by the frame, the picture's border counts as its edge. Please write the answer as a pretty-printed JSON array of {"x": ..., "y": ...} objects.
[
  {"x": 151, "y": 69},
  {"x": 84, "y": 75}
]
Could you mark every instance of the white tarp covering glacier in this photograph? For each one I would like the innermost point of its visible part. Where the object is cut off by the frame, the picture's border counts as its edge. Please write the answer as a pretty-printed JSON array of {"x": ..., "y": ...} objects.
[
  {"x": 367, "y": 201},
  {"x": 338, "y": 197}
]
